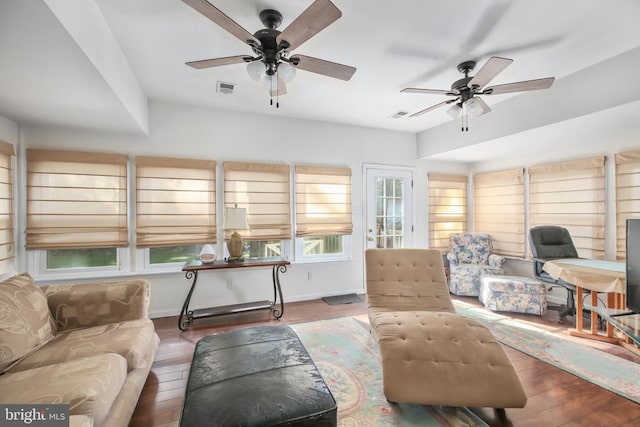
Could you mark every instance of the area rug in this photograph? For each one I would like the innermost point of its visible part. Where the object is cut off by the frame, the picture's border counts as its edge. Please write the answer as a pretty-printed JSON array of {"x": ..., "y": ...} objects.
[
  {"x": 610, "y": 372},
  {"x": 348, "y": 359}
]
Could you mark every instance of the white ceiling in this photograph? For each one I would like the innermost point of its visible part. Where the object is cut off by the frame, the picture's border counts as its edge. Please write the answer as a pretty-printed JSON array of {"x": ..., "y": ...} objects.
[{"x": 58, "y": 66}]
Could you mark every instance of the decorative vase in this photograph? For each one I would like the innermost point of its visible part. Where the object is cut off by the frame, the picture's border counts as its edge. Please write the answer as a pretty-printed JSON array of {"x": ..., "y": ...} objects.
[{"x": 207, "y": 254}]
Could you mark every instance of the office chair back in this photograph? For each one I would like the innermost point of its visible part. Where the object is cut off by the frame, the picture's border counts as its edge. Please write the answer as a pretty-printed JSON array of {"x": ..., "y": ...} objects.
[{"x": 550, "y": 242}]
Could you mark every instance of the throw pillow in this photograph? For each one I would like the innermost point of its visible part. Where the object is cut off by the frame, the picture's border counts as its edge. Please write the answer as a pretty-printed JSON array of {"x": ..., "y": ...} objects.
[{"x": 25, "y": 321}]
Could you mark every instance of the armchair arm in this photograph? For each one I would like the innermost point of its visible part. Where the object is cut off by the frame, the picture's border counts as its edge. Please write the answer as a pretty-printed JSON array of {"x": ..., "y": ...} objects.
[
  {"x": 496, "y": 260},
  {"x": 452, "y": 258},
  {"x": 92, "y": 304}
]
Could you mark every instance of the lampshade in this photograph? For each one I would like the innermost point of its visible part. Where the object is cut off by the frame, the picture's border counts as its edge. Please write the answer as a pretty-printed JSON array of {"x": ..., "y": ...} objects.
[
  {"x": 269, "y": 82},
  {"x": 286, "y": 72},
  {"x": 235, "y": 219},
  {"x": 455, "y": 110},
  {"x": 256, "y": 70},
  {"x": 474, "y": 108}
]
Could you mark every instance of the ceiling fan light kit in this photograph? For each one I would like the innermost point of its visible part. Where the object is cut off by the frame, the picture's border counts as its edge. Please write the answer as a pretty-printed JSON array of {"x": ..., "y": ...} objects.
[
  {"x": 466, "y": 91},
  {"x": 272, "y": 65}
]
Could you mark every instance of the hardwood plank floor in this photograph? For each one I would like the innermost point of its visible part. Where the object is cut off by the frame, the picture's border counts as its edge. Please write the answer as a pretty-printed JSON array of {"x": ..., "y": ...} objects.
[{"x": 556, "y": 398}]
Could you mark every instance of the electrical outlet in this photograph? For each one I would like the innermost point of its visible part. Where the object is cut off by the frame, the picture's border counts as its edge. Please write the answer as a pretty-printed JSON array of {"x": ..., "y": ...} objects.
[
  {"x": 229, "y": 283},
  {"x": 309, "y": 276}
]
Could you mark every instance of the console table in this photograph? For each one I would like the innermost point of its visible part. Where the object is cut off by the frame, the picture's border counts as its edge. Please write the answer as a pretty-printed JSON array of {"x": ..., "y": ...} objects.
[{"x": 192, "y": 269}]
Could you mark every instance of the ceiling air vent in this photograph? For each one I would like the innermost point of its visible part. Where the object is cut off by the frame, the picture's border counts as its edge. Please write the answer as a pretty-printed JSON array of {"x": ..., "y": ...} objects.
[
  {"x": 225, "y": 88},
  {"x": 399, "y": 114}
]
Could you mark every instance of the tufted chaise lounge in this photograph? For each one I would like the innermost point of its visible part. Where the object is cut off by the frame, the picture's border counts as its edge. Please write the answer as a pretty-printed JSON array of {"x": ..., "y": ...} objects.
[{"x": 430, "y": 354}]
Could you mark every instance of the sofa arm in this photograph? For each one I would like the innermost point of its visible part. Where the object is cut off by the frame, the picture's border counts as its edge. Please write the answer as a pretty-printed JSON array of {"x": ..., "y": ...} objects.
[
  {"x": 452, "y": 258},
  {"x": 91, "y": 304},
  {"x": 496, "y": 260}
]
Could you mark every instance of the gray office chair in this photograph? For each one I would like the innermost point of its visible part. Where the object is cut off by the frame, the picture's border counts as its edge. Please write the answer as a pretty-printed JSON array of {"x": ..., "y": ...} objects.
[{"x": 549, "y": 242}]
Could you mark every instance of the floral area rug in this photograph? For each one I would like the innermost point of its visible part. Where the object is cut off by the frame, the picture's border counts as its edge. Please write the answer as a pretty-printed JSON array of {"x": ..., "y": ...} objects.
[
  {"x": 613, "y": 373},
  {"x": 347, "y": 356}
]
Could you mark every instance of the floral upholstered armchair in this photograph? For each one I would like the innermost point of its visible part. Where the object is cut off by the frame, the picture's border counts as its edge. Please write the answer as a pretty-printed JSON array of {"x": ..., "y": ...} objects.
[{"x": 470, "y": 256}]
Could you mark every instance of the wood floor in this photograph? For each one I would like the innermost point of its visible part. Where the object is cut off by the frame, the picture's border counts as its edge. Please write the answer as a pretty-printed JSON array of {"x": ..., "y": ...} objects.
[{"x": 556, "y": 398}]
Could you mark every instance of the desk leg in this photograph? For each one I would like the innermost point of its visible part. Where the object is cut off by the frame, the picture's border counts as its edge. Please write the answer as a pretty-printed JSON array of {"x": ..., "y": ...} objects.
[
  {"x": 185, "y": 314},
  {"x": 593, "y": 334},
  {"x": 579, "y": 307},
  {"x": 277, "y": 290}
]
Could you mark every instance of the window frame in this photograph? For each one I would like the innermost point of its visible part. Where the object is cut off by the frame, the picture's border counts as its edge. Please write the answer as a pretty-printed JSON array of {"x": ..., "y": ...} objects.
[
  {"x": 345, "y": 255},
  {"x": 37, "y": 263}
]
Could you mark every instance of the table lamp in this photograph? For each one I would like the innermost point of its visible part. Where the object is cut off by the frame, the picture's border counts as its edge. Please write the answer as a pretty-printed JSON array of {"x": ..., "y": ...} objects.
[{"x": 235, "y": 219}]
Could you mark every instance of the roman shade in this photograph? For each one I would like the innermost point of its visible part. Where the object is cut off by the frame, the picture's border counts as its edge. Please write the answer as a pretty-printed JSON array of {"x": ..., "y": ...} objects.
[
  {"x": 447, "y": 208},
  {"x": 7, "y": 243},
  {"x": 323, "y": 201},
  {"x": 263, "y": 189},
  {"x": 627, "y": 196},
  {"x": 571, "y": 194},
  {"x": 498, "y": 209},
  {"x": 76, "y": 200},
  {"x": 175, "y": 201}
]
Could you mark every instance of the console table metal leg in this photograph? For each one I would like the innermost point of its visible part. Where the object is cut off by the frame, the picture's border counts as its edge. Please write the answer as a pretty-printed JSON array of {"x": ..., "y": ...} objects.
[
  {"x": 185, "y": 314},
  {"x": 277, "y": 290}
]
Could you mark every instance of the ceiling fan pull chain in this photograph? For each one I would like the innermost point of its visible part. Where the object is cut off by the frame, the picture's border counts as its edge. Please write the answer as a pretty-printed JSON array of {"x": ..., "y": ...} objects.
[{"x": 277, "y": 90}]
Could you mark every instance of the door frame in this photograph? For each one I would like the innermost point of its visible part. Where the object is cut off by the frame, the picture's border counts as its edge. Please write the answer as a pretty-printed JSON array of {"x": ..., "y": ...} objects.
[{"x": 367, "y": 168}]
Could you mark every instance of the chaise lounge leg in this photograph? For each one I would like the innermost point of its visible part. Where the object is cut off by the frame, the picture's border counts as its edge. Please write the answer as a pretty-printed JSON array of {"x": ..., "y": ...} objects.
[{"x": 501, "y": 415}]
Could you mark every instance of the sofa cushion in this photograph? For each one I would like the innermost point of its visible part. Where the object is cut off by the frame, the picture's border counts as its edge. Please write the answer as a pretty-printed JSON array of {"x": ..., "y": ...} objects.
[
  {"x": 25, "y": 320},
  {"x": 132, "y": 340},
  {"x": 89, "y": 385}
]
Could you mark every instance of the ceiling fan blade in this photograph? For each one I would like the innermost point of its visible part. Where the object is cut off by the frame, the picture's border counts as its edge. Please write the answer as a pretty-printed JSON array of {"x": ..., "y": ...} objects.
[
  {"x": 520, "y": 86},
  {"x": 431, "y": 91},
  {"x": 282, "y": 88},
  {"x": 326, "y": 68},
  {"x": 433, "y": 107},
  {"x": 314, "y": 19},
  {"x": 492, "y": 68},
  {"x": 216, "y": 15},
  {"x": 216, "y": 62}
]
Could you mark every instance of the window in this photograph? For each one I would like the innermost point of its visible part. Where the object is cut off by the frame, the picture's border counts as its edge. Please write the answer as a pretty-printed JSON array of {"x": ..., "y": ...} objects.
[
  {"x": 571, "y": 194},
  {"x": 323, "y": 212},
  {"x": 175, "y": 208},
  {"x": 498, "y": 202},
  {"x": 447, "y": 208},
  {"x": 627, "y": 196},
  {"x": 75, "y": 202},
  {"x": 264, "y": 191},
  {"x": 7, "y": 243}
]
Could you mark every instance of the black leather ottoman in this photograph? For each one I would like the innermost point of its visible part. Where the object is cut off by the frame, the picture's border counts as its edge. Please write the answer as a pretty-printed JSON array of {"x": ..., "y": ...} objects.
[{"x": 260, "y": 376}]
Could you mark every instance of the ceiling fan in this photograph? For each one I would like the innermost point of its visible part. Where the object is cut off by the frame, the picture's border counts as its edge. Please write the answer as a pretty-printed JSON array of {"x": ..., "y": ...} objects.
[
  {"x": 271, "y": 62},
  {"x": 466, "y": 91}
]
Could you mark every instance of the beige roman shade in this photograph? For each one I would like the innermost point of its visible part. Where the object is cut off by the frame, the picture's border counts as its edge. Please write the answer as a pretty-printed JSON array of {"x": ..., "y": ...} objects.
[
  {"x": 571, "y": 194},
  {"x": 498, "y": 209},
  {"x": 627, "y": 196},
  {"x": 323, "y": 201},
  {"x": 447, "y": 208},
  {"x": 76, "y": 200},
  {"x": 175, "y": 201},
  {"x": 264, "y": 191},
  {"x": 7, "y": 243}
]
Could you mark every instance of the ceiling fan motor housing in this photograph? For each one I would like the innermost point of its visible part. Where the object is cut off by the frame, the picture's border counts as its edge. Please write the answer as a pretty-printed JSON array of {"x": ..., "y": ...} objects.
[{"x": 268, "y": 48}]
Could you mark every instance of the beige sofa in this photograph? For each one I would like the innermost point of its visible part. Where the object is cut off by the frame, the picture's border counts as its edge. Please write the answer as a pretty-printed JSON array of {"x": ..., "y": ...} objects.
[
  {"x": 89, "y": 345},
  {"x": 431, "y": 355}
]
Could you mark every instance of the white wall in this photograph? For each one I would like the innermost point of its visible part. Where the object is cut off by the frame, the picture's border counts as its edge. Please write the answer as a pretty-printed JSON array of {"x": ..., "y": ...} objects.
[
  {"x": 8, "y": 130},
  {"x": 186, "y": 131}
]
